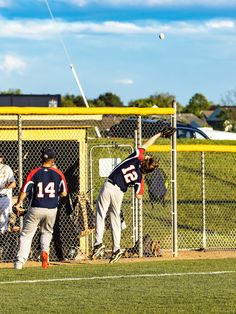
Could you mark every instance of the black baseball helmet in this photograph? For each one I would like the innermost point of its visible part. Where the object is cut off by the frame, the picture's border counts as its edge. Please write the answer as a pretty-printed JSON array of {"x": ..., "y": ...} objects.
[{"x": 48, "y": 153}]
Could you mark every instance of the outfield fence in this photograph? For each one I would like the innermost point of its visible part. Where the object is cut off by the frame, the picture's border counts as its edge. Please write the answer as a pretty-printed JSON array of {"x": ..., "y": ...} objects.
[{"x": 196, "y": 211}]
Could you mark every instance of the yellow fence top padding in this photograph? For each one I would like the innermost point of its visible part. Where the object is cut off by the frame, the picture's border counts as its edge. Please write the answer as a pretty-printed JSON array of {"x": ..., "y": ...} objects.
[
  {"x": 86, "y": 111},
  {"x": 51, "y": 117},
  {"x": 194, "y": 148}
]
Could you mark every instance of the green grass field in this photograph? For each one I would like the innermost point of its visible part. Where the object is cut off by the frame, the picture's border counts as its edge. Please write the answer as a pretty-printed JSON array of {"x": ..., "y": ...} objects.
[{"x": 176, "y": 286}]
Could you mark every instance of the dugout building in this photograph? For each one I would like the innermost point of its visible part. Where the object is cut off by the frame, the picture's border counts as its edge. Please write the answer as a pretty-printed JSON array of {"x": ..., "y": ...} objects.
[
  {"x": 22, "y": 100},
  {"x": 67, "y": 135}
]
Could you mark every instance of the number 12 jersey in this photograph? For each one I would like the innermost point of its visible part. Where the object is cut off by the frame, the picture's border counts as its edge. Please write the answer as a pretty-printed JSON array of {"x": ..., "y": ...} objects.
[{"x": 128, "y": 173}]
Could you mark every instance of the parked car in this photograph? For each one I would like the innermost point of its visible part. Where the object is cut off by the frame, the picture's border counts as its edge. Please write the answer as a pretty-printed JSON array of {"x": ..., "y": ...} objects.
[
  {"x": 191, "y": 132},
  {"x": 126, "y": 128},
  {"x": 218, "y": 135}
]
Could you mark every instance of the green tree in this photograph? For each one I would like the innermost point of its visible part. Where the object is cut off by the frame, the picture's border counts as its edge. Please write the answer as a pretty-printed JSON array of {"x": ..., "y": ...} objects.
[
  {"x": 197, "y": 103},
  {"x": 162, "y": 100},
  {"x": 11, "y": 91},
  {"x": 143, "y": 103},
  {"x": 74, "y": 101},
  {"x": 107, "y": 100},
  {"x": 67, "y": 101}
]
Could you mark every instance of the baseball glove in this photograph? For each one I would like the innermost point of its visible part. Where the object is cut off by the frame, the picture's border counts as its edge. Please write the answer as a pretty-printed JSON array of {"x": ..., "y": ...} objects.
[
  {"x": 167, "y": 131},
  {"x": 19, "y": 213}
]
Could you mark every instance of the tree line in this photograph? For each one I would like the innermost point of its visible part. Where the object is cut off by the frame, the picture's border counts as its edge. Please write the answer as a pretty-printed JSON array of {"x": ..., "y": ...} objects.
[{"x": 197, "y": 103}]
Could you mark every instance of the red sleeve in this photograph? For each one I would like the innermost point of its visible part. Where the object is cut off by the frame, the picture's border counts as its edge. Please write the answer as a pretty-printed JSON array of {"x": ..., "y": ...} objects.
[
  {"x": 141, "y": 188},
  {"x": 62, "y": 177},
  {"x": 28, "y": 179},
  {"x": 141, "y": 153}
]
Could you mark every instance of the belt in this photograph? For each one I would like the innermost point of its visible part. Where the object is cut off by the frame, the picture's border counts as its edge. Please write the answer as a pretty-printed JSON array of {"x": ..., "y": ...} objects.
[
  {"x": 3, "y": 195},
  {"x": 110, "y": 181}
]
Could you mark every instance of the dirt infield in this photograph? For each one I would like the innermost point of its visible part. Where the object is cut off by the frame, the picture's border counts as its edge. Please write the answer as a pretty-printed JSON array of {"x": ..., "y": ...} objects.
[{"x": 182, "y": 255}]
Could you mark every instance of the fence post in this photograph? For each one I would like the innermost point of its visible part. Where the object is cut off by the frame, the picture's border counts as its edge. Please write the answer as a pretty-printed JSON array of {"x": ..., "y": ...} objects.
[
  {"x": 20, "y": 160},
  {"x": 174, "y": 186},
  {"x": 140, "y": 209},
  {"x": 135, "y": 201},
  {"x": 203, "y": 202},
  {"x": 20, "y": 150}
]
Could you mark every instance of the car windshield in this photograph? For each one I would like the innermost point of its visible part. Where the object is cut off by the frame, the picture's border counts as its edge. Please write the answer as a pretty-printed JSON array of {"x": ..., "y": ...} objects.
[{"x": 188, "y": 133}]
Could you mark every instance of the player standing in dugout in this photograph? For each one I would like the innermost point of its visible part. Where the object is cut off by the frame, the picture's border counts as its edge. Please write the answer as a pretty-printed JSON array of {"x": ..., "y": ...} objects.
[
  {"x": 44, "y": 185},
  {"x": 130, "y": 172},
  {"x": 7, "y": 183}
]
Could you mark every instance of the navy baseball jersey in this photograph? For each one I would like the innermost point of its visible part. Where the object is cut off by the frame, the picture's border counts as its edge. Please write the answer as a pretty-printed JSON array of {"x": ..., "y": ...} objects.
[
  {"x": 128, "y": 172},
  {"x": 44, "y": 186}
]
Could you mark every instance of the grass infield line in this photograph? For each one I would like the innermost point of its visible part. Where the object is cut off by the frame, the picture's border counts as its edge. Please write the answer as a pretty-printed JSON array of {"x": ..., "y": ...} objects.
[{"x": 118, "y": 277}]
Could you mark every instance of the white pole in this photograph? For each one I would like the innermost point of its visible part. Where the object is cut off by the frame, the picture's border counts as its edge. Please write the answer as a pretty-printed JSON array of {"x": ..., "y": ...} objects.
[
  {"x": 71, "y": 65},
  {"x": 174, "y": 186},
  {"x": 203, "y": 202},
  {"x": 20, "y": 160},
  {"x": 82, "y": 94},
  {"x": 135, "y": 200},
  {"x": 79, "y": 85},
  {"x": 140, "y": 207}
]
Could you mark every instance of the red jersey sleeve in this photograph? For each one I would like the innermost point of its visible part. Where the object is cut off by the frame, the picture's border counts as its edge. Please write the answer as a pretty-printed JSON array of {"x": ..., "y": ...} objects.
[
  {"x": 29, "y": 180},
  {"x": 64, "y": 187},
  {"x": 140, "y": 153},
  {"x": 140, "y": 190}
]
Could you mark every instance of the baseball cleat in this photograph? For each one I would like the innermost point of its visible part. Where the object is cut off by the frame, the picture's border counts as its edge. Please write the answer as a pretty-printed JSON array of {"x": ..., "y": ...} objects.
[
  {"x": 18, "y": 265},
  {"x": 116, "y": 256},
  {"x": 98, "y": 250}
]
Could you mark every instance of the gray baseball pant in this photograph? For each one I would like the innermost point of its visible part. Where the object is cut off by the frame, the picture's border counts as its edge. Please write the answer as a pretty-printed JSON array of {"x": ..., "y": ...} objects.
[
  {"x": 109, "y": 200},
  {"x": 45, "y": 218},
  {"x": 5, "y": 209}
]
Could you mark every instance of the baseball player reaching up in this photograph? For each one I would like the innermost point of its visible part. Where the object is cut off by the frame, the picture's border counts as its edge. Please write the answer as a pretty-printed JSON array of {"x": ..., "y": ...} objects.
[
  {"x": 44, "y": 185},
  {"x": 130, "y": 172}
]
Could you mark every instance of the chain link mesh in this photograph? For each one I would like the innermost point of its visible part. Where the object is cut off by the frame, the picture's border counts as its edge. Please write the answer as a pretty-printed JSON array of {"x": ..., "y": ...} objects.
[{"x": 206, "y": 186}]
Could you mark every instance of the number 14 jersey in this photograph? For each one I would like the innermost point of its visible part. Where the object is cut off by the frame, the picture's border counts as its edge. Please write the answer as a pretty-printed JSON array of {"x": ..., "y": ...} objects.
[{"x": 44, "y": 186}]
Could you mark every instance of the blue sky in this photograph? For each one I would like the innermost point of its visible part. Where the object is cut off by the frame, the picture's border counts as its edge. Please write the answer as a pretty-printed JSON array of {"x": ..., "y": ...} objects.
[{"x": 114, "y": 47}]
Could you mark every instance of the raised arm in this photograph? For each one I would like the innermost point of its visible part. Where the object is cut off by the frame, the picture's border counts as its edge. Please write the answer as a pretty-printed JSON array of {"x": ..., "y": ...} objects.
[
  {"x": 151, "y": 141},
  {"x": 167, "y": 131}
]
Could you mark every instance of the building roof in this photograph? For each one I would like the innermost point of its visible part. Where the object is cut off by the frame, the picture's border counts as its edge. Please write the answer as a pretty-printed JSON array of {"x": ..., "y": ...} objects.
[
  {"x": 206, "y": 113},
  {"x": 191, "y": 119}
]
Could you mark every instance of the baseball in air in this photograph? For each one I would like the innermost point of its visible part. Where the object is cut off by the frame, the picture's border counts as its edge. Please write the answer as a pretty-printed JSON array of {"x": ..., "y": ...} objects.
[{"x": 161, "y": 36}]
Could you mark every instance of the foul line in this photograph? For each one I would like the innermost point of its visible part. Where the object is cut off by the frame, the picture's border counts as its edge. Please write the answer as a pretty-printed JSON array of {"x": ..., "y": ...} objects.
[{"x": 117, "y": 277}]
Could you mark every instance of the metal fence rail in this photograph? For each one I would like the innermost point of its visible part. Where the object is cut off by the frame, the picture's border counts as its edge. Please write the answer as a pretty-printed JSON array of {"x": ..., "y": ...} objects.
[{"x": 205, "y": 190}]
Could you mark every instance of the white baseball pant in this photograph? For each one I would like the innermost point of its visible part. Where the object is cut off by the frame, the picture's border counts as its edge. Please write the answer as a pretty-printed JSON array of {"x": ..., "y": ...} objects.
[
  {"x": 109, "y": 200},
  {"x": 5, "y": 209},
  {"x": 45, "y": 218}
]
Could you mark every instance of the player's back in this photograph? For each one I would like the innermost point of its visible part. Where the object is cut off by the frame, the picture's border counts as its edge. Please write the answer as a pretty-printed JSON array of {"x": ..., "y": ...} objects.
[{"x": 44, "y": 186}]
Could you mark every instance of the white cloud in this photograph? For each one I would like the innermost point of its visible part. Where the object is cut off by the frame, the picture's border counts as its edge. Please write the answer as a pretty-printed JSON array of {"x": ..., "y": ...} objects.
[
  {"x": 47, "y": 29},
  {"x": 5, "y": 3},
  {"x": 12, "y": 63},
  {"x": 125, "y": 81},
  {"x": 78, "y": 2},
  {"x": 143, "y": 3},
  {"x": 218, "y": 24},
  {"x": 31, "y": 29}
]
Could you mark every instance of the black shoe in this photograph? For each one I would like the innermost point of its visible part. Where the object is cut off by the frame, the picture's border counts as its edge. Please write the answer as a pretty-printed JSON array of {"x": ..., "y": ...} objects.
[
  {"x": 97, "y": 250},
  {"x": 116, "y": 256}
]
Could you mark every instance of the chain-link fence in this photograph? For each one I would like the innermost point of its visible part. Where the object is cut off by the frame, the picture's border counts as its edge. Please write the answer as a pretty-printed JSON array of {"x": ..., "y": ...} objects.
[
  {"x": 205, "y": 190},
  {"x": 206, "y": 200}
]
